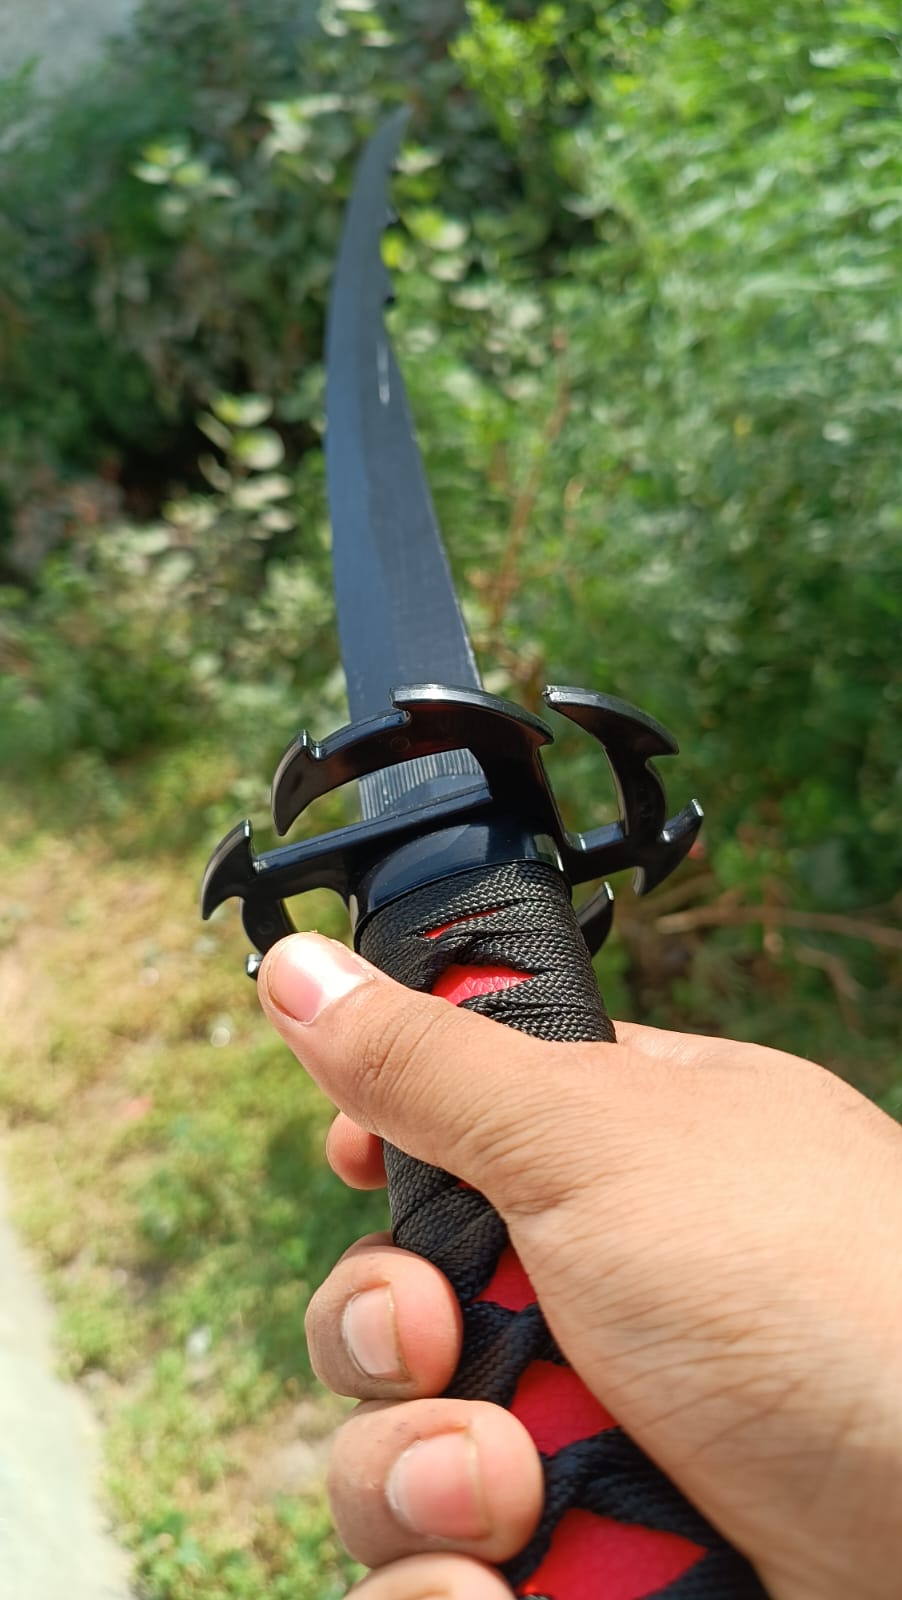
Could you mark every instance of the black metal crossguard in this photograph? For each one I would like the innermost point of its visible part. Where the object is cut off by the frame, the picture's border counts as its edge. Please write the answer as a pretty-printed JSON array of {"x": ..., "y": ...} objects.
[
  {"x": 501, "y": 786},
  {"x": 519, "y": 916}
]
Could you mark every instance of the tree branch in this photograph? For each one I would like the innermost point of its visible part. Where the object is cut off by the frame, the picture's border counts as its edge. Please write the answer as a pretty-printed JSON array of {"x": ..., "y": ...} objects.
[{"x": 733, "y": 916}]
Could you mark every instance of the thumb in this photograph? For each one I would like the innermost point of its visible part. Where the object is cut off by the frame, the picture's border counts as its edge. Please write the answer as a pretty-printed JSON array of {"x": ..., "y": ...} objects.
[{"x": 444, "y": 1084}]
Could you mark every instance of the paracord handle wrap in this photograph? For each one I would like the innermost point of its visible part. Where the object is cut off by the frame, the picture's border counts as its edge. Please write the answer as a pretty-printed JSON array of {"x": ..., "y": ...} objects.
[{"x": 613, "y": 1526}]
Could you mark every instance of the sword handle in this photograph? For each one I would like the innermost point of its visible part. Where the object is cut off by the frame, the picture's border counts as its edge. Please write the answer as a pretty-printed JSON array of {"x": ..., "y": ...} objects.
[{"x": 606, "y": 1505}]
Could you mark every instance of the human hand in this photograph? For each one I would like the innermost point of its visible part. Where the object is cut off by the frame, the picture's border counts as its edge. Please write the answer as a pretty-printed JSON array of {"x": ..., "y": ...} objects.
[{"x": 714, "y": 1231}]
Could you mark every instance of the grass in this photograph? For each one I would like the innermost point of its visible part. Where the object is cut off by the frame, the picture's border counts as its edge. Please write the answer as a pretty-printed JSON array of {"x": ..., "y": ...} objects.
[{"x": 166, "y": 1155}]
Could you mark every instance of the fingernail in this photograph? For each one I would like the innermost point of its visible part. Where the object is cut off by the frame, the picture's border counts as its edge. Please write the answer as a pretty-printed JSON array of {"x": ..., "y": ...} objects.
[
  {"x": 434, "y": 1488},
  {"x": 371, "y": 1334},
  {"x": 306, "y": 973}
]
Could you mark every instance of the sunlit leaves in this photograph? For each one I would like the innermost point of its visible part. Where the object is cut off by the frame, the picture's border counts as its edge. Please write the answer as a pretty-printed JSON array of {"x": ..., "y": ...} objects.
[
  {"x": 242, "y": 411},
  {"x": 260, "y": 448},
  {"x": 434, "y": 229}
]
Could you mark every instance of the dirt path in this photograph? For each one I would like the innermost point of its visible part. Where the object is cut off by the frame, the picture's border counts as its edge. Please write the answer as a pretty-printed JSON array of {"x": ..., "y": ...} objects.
[{"x": 53, "y": 1541}]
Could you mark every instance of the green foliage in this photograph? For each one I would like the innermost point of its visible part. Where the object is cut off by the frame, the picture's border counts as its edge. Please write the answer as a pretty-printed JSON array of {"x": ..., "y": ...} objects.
[
  {"x": 732, "y": 338},
  {"x": 649, "y": 317},
  {"x": 168, "y": 231},
  {"x": 140, "y": 635},
  {"x": 236, "y": 1221},
  {"x": 299, "y": 1559},
  {"x": 82, "y": 231}
]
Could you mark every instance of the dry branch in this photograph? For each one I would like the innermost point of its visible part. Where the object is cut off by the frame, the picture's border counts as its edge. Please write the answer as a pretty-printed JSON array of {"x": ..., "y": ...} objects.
[{"x": 733, "y": 916}]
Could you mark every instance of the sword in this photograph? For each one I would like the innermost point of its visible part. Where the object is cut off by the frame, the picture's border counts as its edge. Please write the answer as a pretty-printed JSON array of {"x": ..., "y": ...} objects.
[{"x": 458, "y": 880}]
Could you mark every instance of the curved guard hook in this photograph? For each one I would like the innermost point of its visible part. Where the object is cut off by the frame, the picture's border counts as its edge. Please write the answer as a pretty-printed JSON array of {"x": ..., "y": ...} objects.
[
  {"x": 234, "y": 869},
  {"x": 595, "y": 917},
  {"x": 630, "y": 739}
]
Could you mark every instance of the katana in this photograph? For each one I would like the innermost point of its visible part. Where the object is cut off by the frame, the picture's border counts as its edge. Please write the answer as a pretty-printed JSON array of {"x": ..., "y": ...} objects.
[{"x": 458, "y": 879}]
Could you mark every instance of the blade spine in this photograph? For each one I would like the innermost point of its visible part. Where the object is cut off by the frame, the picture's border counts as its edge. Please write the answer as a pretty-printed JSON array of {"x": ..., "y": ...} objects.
[{"x": 348, "y": 331}]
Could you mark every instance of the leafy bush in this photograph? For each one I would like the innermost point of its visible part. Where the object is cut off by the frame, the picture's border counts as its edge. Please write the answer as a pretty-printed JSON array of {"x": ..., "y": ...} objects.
[
  {"x": 138, "y": 633},
  {"x": 649, "y": 316}
]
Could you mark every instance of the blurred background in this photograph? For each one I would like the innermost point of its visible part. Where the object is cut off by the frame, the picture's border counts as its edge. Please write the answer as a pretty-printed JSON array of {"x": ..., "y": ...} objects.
[{"x": 648, "y": 280}]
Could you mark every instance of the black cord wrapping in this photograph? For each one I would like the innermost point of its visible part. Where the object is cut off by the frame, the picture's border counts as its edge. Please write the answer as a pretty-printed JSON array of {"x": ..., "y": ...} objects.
[{"x": 519, "y": 916}]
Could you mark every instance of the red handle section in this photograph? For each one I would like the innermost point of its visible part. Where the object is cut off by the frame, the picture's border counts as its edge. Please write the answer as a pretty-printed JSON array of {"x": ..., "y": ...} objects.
[{"x": 504, "y": 941}]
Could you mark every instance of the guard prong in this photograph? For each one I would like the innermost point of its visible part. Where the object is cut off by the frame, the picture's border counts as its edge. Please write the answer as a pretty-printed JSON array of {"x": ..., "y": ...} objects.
[
  {"x": 595, "y": 917},
  {"x": 287, "y": 797},
  {"x": 230, "y": 870},
  {"x": 671, "y": 847},
  {"x": 265, "y": 922},
  {"x": 598, "y": 713},
  {"x": 629, "y": 738}
]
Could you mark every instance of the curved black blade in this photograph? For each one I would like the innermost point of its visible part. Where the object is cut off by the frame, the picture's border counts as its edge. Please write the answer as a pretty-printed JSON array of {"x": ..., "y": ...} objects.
[{"x": 398, "y": 617}]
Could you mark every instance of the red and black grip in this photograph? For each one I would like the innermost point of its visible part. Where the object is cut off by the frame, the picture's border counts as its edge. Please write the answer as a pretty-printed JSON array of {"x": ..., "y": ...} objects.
[{"x": 504, "y": 941}]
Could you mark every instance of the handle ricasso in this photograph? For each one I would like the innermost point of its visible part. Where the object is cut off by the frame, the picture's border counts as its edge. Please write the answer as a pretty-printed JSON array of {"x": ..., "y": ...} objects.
[{"x": 444, "y": 855}]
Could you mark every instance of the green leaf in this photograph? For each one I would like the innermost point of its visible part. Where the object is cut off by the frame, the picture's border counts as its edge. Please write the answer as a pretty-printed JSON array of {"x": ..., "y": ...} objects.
[
  {"x": 259, "y": 448},
  {"x": 275, "y": 520},
  {"x": 416, "y": 158},
  {"x": 436, "y": 230},
  {"x": 215, "y": 473},
  {"x": 168, "y": 154},
  {"x": 191, "y": 174},
  {"x": 215, "y": 430},
  {"x": 255, "y": 493},
  {"x": 242, "y": 410},
  {"x": 148, "y": 172}
]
